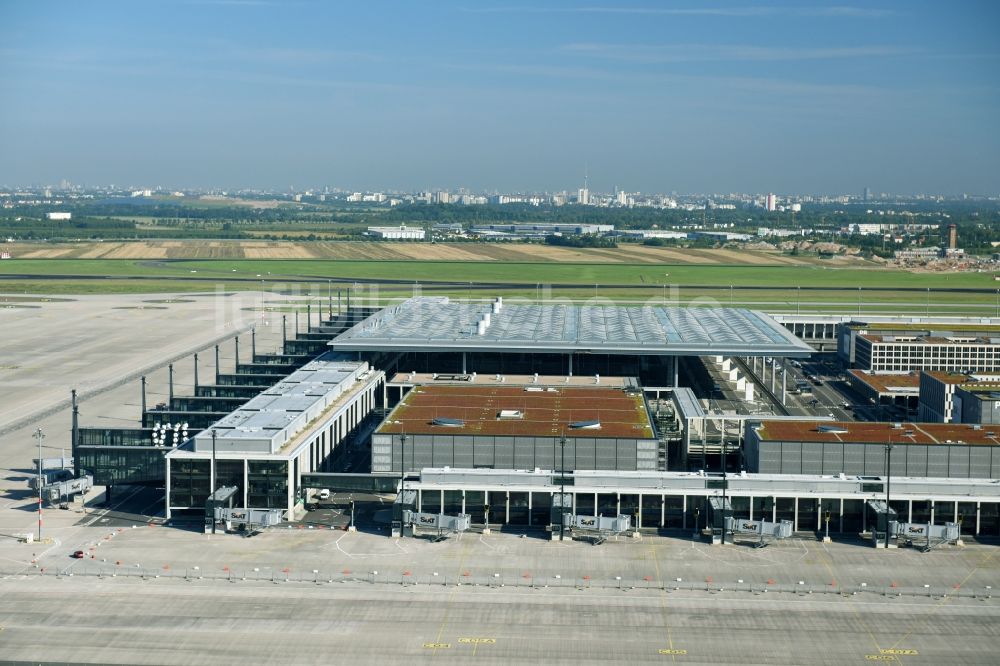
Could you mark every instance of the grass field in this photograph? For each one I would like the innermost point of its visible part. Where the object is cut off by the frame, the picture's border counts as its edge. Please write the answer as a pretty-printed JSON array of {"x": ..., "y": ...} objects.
[
  {"x": 629, "y": 253},
  {"x": 527, "y": 273},
  {"x": 771, "y": 287}
]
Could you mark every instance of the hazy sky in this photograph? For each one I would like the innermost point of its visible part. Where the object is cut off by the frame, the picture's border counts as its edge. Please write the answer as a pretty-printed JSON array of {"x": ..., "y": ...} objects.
[{"x": 652, "y": 96}]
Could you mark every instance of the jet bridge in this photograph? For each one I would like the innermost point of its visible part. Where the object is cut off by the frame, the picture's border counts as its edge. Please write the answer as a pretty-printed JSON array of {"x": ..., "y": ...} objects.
[
  {"x": 439, "y": 525},
  {"x": 925, "y": 536},
  {"x": 763, "y": 530},
  {"x": 597, "y": 529},
  {"x": 61, "y": 490},
  {"x": 248, "y": 521}
]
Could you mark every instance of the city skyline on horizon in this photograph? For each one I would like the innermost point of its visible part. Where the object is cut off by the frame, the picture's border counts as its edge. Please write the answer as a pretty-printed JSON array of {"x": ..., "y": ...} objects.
[
  {"x": 256, "y": 94},
  {"x": 158, "y": 189}
]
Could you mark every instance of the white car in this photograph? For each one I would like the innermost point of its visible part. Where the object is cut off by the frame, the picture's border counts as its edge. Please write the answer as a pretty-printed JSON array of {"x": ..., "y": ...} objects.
[{"x": 324, "y": 494}]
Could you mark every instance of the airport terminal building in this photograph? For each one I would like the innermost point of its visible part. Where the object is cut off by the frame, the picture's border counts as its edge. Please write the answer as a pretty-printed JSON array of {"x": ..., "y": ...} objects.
[{"x": 507, "y": 411}]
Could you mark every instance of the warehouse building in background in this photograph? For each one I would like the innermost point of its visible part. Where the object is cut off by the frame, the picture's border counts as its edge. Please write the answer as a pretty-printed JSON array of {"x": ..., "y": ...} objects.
[{"x": 402, "y": 232}]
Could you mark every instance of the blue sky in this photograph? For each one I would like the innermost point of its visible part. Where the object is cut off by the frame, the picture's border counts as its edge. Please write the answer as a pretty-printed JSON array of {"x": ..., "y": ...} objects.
[{"x": 650, "y": 96}]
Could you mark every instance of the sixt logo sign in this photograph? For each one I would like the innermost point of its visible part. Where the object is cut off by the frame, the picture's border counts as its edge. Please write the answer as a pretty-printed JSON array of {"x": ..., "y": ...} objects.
[
  {"x": 428, "y": 520},
  {"x": 588, "y": 522},
  {"x": 750, "y": 527},
  {"x": 915, "y": 530}
]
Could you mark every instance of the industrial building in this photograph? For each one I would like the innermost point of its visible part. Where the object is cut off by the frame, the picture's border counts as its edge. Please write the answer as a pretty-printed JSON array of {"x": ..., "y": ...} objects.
[
  {"x": 860, "y": 448},
  {"x": 643, "y": 234},
  {"x": 402, "y": 232},
  {"x": 541, "y": 229}
]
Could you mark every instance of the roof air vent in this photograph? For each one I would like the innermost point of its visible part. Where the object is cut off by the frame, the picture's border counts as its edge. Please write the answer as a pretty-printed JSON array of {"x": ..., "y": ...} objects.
[{"x": 833, "y": 429}]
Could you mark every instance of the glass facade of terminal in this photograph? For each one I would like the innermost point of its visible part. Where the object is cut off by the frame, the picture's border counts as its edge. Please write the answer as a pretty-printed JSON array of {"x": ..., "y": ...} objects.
[
  {"x": 900, "y": 356},
  {"x": 116, "y": 457},
  {"x": 264, "y": 482},
  {"x": 683, "y": 512}
]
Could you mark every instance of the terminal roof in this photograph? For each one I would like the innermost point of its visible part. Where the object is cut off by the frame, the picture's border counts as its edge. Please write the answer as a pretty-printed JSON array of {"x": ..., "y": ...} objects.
[
  {"x": 537, "y": 411},
  {"x": 488, "y": 379},
  {"x": 280, "y": 412},
  {"x": 858, "y": 432},
  {"x": 896, "y": 383},
  {"x": 437, "y": 324}
]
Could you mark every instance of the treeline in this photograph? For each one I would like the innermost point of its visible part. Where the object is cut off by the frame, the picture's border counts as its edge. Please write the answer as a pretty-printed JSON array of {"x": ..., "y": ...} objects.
[
  {"x": 101, "y": 229},
  {"x": 580, "y": 241},
  {"x": 622, "y": 218}
]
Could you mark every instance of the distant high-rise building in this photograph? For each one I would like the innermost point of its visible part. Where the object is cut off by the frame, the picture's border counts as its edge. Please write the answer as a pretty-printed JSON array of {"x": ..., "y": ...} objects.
[
  {"x": 868, "y": 194},
  {"x": 770, "y": 203},
  {"x": 583, "y": 196},
  {"x": 952, "y": 237}
]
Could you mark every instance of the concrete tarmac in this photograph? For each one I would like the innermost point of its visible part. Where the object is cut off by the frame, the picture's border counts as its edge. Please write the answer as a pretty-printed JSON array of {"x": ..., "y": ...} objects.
[
  {"x": 161, "y": 621},
  {"x": 99, "y": 345}
]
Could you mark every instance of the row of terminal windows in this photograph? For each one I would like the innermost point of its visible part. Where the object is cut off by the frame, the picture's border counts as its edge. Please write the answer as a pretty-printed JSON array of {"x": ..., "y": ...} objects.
[
  {"x": 926, "y": 353},
  {"x": 679, "y": 512}
]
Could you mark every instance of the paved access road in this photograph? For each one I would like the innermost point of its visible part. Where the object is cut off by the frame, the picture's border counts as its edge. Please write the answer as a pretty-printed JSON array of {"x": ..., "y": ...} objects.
[{"x": 172, "y": 621}]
